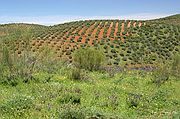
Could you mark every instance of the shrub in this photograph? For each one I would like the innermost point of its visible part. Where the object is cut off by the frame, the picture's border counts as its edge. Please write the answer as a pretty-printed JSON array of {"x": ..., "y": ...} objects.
[
  {"x": 72, "y": 98},
  {"x": 88, "y": 59},
  {"x": 15, "y": 68},
  {"x": 75, "y": 74},
  {"x": 164, "y": 71},
  {"x": 72, "y": 112},
  {"x": 133, "y": 99},
  {"x": 17, "y": 105},
  {"x": 175, "y": 70}
]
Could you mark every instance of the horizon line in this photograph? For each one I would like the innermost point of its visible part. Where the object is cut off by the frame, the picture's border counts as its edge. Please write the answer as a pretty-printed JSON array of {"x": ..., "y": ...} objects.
[{"x": 55, "y": 20}]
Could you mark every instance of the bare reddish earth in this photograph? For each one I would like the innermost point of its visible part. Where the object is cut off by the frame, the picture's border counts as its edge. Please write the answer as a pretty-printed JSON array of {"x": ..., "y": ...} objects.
[
  {"x": 95, "y": 30},
  {"x": 90, "y": 28},
  {"x": 129, "y": 25},
  {"x": 116, "y": 29},
  {"x": 80, "y": 32},
  {"x": 76, "y": 38},
  {"x": 83, "y": 39},
  {"x": 122, "y": 28},
  {"x": 140, "y": 24},
  {"x": 100, "y": 36},
  {"x": 134, "y": 24},
  {"x": 109, "y": 30}
]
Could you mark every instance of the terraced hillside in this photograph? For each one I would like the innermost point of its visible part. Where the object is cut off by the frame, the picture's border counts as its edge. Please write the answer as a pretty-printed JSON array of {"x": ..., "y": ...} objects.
[{"x": 125, "y": 43}]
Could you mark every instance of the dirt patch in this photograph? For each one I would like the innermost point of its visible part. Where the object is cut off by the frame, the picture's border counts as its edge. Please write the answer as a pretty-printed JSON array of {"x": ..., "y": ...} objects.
[
  {"x": 140, "y": 24},
  {"x": 83, "y": 39},
  {"x": 116, "y": 29},
  {"x": 100, "y": 36},
  {"x": 109, "y": 30},
  {"x": 90, "y": 28},
  {"x": 95, "y": 30},
  {"x": 134, "y": 24},
  {"x": 76, "y": 38},
  {"x": 122, "y": 29},
  {"x": 80, "y": 32},
  {"x": 129, "y": 25}
]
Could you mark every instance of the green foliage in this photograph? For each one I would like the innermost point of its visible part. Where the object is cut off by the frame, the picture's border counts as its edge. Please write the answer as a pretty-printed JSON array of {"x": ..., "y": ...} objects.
[
  {"x": 89, "y": 59},
  {"x": 75, "y": 74},
  {"x": 17, "y": 106},
  {"x": 164, "y": 71},
  {"x": 161, "y": 75},
  {"x": 175, "y": 69},
  {"x": 16, "y": 68},
  {"x": 78, "y": 74},
  {"x": 72, "y": 98},
  {"x": 72, "y": 112},
  {"x": 133, "y": 100}
]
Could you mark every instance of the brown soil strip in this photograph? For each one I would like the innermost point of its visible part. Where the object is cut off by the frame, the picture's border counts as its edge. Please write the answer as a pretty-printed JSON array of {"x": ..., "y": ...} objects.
[
  {"x": 109, "y": 30},
  {"x": 116, "y": 29},
  {"x": 76, "y": 38},
  {"x": 122, "y": 28},
  {"x": 134, "y": 24},
  {"x": 83, "y": 39},
  {"x": 100, "y": 36},
  {"x": 140, "y": 24},
  {"x": 95, "y": 30},
  {"x": 80, "y": 32},
  {"x": 129, "y": 25},
  {"x": 90, "y": 28}
]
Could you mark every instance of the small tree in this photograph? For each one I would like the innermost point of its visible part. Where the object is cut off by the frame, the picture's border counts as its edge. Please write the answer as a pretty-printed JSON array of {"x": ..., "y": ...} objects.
[{"x": 89, "y": 59}]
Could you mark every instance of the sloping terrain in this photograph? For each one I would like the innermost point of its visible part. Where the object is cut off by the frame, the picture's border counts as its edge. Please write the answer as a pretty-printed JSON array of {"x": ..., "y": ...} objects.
[{"x": 125, "y": 43}]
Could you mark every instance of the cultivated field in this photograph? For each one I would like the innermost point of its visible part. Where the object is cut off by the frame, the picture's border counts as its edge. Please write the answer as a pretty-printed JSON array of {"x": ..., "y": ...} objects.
[{"x": 94, "y": 69}]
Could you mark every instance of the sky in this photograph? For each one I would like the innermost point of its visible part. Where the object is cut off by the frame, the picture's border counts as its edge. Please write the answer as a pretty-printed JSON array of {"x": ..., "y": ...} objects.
[{"x": 50, "y": 12}]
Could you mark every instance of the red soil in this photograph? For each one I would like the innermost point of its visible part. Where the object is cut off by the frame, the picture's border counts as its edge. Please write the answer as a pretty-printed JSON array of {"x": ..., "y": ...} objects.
[
  {"x": 95, "y": 30},
  {"x": 122, "y": 28},
  {"x": 100, "y": 36},
  {"x": 129, "y": 25},
  {"x": 134, "y": 24},
  {"x": 83, "y": 39},
  {"x": 80, "y": 32},
  {"x": 116, "y": 29},
  {"x": 90, "y": 28},
  {"x": 140, "y": 24},
  {"x": 76, "y": 38},
  {"x": 109, "y": 30}
]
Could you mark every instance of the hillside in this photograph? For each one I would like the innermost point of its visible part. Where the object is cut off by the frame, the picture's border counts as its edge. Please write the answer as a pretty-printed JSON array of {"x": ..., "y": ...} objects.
[
  {"x": 125, "y": 43},
  {"x": 94, "y": 69}
]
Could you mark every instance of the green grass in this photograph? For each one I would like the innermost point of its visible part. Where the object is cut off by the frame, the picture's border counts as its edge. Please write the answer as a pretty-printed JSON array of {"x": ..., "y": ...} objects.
[
  {"x": 100, "y": 96},
  {"x": 39, "y": 85}
]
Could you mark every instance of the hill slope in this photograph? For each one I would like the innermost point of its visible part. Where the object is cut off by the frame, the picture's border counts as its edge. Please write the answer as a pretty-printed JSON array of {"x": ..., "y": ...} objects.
[{"x": 130, "y": 43}]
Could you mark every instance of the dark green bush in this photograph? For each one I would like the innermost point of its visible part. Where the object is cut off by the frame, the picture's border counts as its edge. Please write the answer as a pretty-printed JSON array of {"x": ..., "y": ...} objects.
[
  {"x": 88, "y": 59},
  {"x": 72, "y": 98},
  {"x": 17, "y": 106},
  {"x": 133, "y": 99},
  {"x": 75, "y": 74},
  {"x": 72, "y": 112}
]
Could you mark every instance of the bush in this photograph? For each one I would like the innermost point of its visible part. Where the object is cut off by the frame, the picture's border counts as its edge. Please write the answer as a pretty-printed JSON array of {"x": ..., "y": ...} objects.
[
  {"x": 133, "y": 100},
  {"x": 17, "y": 105},
  {"x": 75, "y": 74},
  {"x": 78, "y": 74},
  {"x": 175, "y": 70},
  {"x": 69, "y": 111},
  {"x": 88, "y": 59},
  {"x": 72, "y": 112},
  {"x": 161, "y": 75},
  {"x": 72, "y": 98},
  {"x": 164, "y": 71},
  {"x": 14, "y": 68}
]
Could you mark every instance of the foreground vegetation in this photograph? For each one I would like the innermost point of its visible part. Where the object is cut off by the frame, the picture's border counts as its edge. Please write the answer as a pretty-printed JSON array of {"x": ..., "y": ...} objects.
[
  {"x": 119, "y": 73},
  {"x": 35, "y": 88}
]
